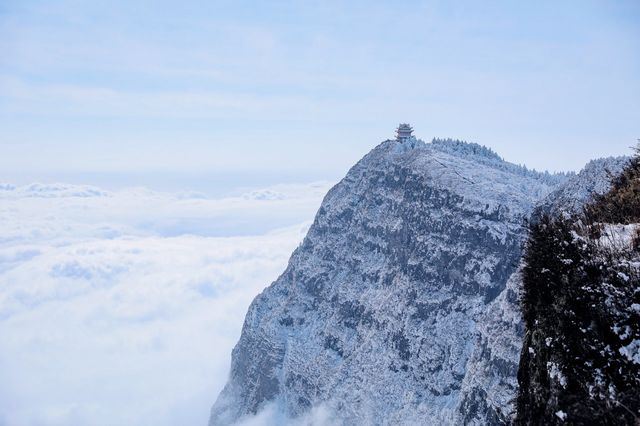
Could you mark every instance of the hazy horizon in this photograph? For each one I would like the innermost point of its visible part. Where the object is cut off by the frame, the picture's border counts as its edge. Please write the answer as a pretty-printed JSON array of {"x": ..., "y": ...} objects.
[{"x": 308, "y": 88}]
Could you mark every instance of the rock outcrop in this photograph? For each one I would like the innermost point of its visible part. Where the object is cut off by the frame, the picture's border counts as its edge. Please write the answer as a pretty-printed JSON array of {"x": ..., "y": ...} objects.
[{"x": 400, "y": 305}]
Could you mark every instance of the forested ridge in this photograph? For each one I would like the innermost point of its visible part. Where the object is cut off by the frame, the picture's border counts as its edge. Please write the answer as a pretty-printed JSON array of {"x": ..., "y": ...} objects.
[{"x": 580, "y": 361}]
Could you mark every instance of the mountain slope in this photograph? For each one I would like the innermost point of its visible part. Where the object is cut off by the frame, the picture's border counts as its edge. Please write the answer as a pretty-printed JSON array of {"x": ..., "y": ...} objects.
[
  {"x": 570, "y": 197},
  {"x": 377, "y": 313},
  {"x": 495, "y": 361}
]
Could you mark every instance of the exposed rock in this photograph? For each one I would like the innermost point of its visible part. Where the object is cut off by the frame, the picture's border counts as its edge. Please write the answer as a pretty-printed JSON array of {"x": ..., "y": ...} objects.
[{"x": 400, "y": 305}]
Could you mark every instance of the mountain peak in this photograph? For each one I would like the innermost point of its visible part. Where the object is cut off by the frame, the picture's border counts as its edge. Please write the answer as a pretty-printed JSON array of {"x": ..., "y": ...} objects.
[
  {"x": 385, "y": 312},
  {"x": 458, "y": 147},
  {"x": 377, "y": 309}
]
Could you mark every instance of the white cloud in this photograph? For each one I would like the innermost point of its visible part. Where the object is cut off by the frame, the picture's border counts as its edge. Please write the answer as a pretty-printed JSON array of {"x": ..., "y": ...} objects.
[
  {"x": 38, "y": 212},
  {"x": 270, "y": 415},
  {"x": 109, "y": 316}
]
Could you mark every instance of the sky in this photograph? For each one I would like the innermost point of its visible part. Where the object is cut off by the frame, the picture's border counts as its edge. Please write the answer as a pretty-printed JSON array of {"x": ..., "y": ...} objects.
[{"x": 152, "y": 92}]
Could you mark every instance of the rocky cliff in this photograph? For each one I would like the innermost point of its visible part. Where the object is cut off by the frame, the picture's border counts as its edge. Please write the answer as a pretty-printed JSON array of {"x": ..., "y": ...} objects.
[{"x": 400, "y": 305}]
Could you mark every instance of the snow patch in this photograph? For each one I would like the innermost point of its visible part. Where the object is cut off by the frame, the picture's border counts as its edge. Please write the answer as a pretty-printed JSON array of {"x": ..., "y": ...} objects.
[
  {"x": 632, "y": 351},
  {"x": 556, "y": 373}
]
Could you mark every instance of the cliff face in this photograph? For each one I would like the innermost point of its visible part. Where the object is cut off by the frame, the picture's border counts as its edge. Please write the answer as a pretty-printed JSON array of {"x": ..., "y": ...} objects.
[
  {"x": 495, "y": 361},
  {"x": 377, "y": 311},
  {"x": 400, "y": 305}
]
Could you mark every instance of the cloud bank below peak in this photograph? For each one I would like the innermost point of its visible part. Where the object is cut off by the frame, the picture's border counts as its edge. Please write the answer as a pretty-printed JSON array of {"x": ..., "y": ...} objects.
[{"x": 114, "y": 297}]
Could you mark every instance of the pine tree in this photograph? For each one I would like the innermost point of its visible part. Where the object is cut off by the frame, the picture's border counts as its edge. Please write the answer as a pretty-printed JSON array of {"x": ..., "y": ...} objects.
[{"x": 580, "y": 362}]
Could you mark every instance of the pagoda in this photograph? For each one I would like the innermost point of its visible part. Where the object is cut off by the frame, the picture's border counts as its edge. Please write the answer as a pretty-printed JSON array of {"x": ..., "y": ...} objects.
[{"x": 404, "y": 131}]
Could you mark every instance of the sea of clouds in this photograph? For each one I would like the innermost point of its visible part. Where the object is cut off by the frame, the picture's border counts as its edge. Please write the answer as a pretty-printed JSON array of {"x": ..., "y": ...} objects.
[{"x": 122, "y": 307}]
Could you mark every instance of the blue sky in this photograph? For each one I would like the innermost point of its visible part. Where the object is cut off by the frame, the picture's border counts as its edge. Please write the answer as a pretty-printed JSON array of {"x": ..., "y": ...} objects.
[{"x": 303, "y": 89}]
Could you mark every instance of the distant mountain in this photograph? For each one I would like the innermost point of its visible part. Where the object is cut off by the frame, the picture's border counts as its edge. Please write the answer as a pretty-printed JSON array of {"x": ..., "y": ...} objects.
[
  {"x": 595, "y": 178},
  {"x": 401, "y": 304}
]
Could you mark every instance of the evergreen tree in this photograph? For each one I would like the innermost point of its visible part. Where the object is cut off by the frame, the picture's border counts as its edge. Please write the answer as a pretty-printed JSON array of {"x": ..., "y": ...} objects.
[{"x": 580, "y": 362}]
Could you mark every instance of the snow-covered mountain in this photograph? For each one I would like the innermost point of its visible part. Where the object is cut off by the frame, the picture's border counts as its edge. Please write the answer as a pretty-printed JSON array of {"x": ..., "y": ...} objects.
[
  {"x": 400, "y": 305},
  {"x": 595, "y": 178}
]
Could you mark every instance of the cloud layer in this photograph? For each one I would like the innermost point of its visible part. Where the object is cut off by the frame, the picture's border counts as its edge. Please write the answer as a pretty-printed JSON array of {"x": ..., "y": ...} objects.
[{"x": 121, "y": 308}]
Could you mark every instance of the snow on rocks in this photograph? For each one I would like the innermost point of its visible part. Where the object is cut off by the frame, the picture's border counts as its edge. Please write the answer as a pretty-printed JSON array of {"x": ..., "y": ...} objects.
[{"x": 400, "y": 306}]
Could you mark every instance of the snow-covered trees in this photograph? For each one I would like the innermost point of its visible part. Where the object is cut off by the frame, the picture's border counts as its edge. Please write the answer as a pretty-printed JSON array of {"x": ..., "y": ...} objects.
[
  {"x": 487, "y": 156},
  {"x": 580, "y": 362}
]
